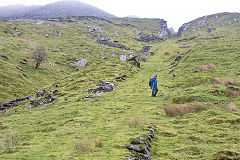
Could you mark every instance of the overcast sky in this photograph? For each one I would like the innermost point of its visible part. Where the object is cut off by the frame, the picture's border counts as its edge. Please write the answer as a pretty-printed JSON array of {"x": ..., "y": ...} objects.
[{"x": 175, "y": 12}]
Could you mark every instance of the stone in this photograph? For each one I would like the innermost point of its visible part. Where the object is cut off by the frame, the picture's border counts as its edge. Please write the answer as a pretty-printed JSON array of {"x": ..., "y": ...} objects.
[
  {"x": 80, "y": 63},
  {"x": 114, "y": 55},
  {"x": 4, "y": 56},
  {"x": 150, "y": 54},
  {"x": 123, "y": 57},
  {"x": 117, "y": 34},
  {"x": 46, "y": 35},
  {"x": 137, "y": 32},
  {"x": 101, "y": 38},
  {"x": 17, "y": 34},
  {"x": 103, "y": 57}
]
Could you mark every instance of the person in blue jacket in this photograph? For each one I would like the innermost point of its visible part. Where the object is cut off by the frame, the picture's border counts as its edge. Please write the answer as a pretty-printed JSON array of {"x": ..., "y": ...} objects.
[{"x": 154, "y": 87}]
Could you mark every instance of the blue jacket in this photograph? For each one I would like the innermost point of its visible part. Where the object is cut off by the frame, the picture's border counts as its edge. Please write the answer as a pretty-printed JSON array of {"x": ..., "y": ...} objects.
[{"x": 154, "y": 84}]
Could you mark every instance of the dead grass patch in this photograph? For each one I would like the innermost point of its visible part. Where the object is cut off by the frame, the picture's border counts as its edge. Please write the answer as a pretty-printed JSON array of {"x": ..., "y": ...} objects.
[
  {"x": 134, "y": 122},
  {"x": 84, "y": 146},
  {"x": 229, "y": 81},
  {"x": 232, "y": 92},
  {"x": 182, "y": 109},
  {"x": 231, "y": 107},
  {"x": 2, "y": 114},
  {"x": 207, "y": 67}
]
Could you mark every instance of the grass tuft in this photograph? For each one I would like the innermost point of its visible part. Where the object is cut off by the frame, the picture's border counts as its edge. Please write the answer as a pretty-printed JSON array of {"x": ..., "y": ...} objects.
[
  {"x": 134, "y": 122},
  {"x": 84, "y": 146},
  {"x": 232, "y": 92},
  {"x": 207, "y": 67},
  {"x": 229, "y": 81},
  {"x": 9, "y": 140},
  {"x": 98, "y": 143},
  {"x": 232, "y": 107}
]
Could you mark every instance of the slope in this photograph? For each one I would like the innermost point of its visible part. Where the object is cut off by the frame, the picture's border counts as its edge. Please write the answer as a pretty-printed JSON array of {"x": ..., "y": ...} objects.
[{"x": 98, "y": 128}]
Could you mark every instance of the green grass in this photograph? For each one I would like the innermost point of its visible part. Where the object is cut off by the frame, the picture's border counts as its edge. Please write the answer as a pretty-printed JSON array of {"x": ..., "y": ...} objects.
[{"x": 52, "y": 131}]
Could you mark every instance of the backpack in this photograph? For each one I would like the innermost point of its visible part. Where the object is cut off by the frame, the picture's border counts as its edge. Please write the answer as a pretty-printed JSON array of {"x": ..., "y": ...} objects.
[{"x": 151, "y": 82}]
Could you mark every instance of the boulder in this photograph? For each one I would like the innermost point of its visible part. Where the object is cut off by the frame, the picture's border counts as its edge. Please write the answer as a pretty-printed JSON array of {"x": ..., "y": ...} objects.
[
  {"x": 80, "y": 63},
  {"x": 137, "y": 32},
  {"x": 123, "y": 57}
]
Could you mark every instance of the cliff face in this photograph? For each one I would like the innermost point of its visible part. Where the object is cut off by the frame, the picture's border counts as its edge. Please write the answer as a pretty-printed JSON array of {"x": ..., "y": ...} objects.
[{"x": 209, "y": 23}]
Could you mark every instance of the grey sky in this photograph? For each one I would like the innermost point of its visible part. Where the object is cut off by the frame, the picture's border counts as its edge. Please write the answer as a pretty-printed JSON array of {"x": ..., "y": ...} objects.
[{"x": 175, "y": 12}]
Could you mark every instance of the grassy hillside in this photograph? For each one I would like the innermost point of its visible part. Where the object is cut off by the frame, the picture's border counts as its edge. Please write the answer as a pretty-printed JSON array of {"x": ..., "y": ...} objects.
[{"x": 206, "y": 77}]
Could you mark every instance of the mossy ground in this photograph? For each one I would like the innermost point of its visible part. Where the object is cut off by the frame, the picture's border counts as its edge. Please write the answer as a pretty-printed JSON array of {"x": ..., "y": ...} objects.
[{"x": 52, "y": 131}]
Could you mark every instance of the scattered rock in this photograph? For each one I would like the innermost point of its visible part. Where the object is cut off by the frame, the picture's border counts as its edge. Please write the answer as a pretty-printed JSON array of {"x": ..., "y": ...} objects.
[
  {"x": 148, "y": 38},
  {"x": 44, "y": 98},
  {"x": 97, "y": 29},
  {"x": 80, "y": 63},
  {"x": 114, "y": 55},
  {"x": 145, "y": 49},
  {"x": 46, "y": 35},
  {"x": 150, "y": 54},
  {"x": 4, "y": 56},
  {"x": 101, "y": 38},
  {"x": 141, "y": 58},
  {"x": 112, "y": 44}
]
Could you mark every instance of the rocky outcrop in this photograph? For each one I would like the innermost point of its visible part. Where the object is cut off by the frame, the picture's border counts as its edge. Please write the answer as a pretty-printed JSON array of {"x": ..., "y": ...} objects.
[
  {"x": 112, "y": 44},
  {"x": 104, "y": 87},
  {"x": 214, "y": 20},
  {"x": 43, "y": 98},
  {"x": 149, "y": 39},
  {"x": 14, "y": 103},
  {"x": 135, "y": 61},
  {"x": 140, "y": 147}
]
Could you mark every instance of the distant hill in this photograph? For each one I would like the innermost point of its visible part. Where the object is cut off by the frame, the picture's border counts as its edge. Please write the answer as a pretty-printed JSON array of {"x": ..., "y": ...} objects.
[
  {"x": 209, "y": 22},
  {"x": 14, "y": 10},
  {"x": 59, "y": 9}
]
